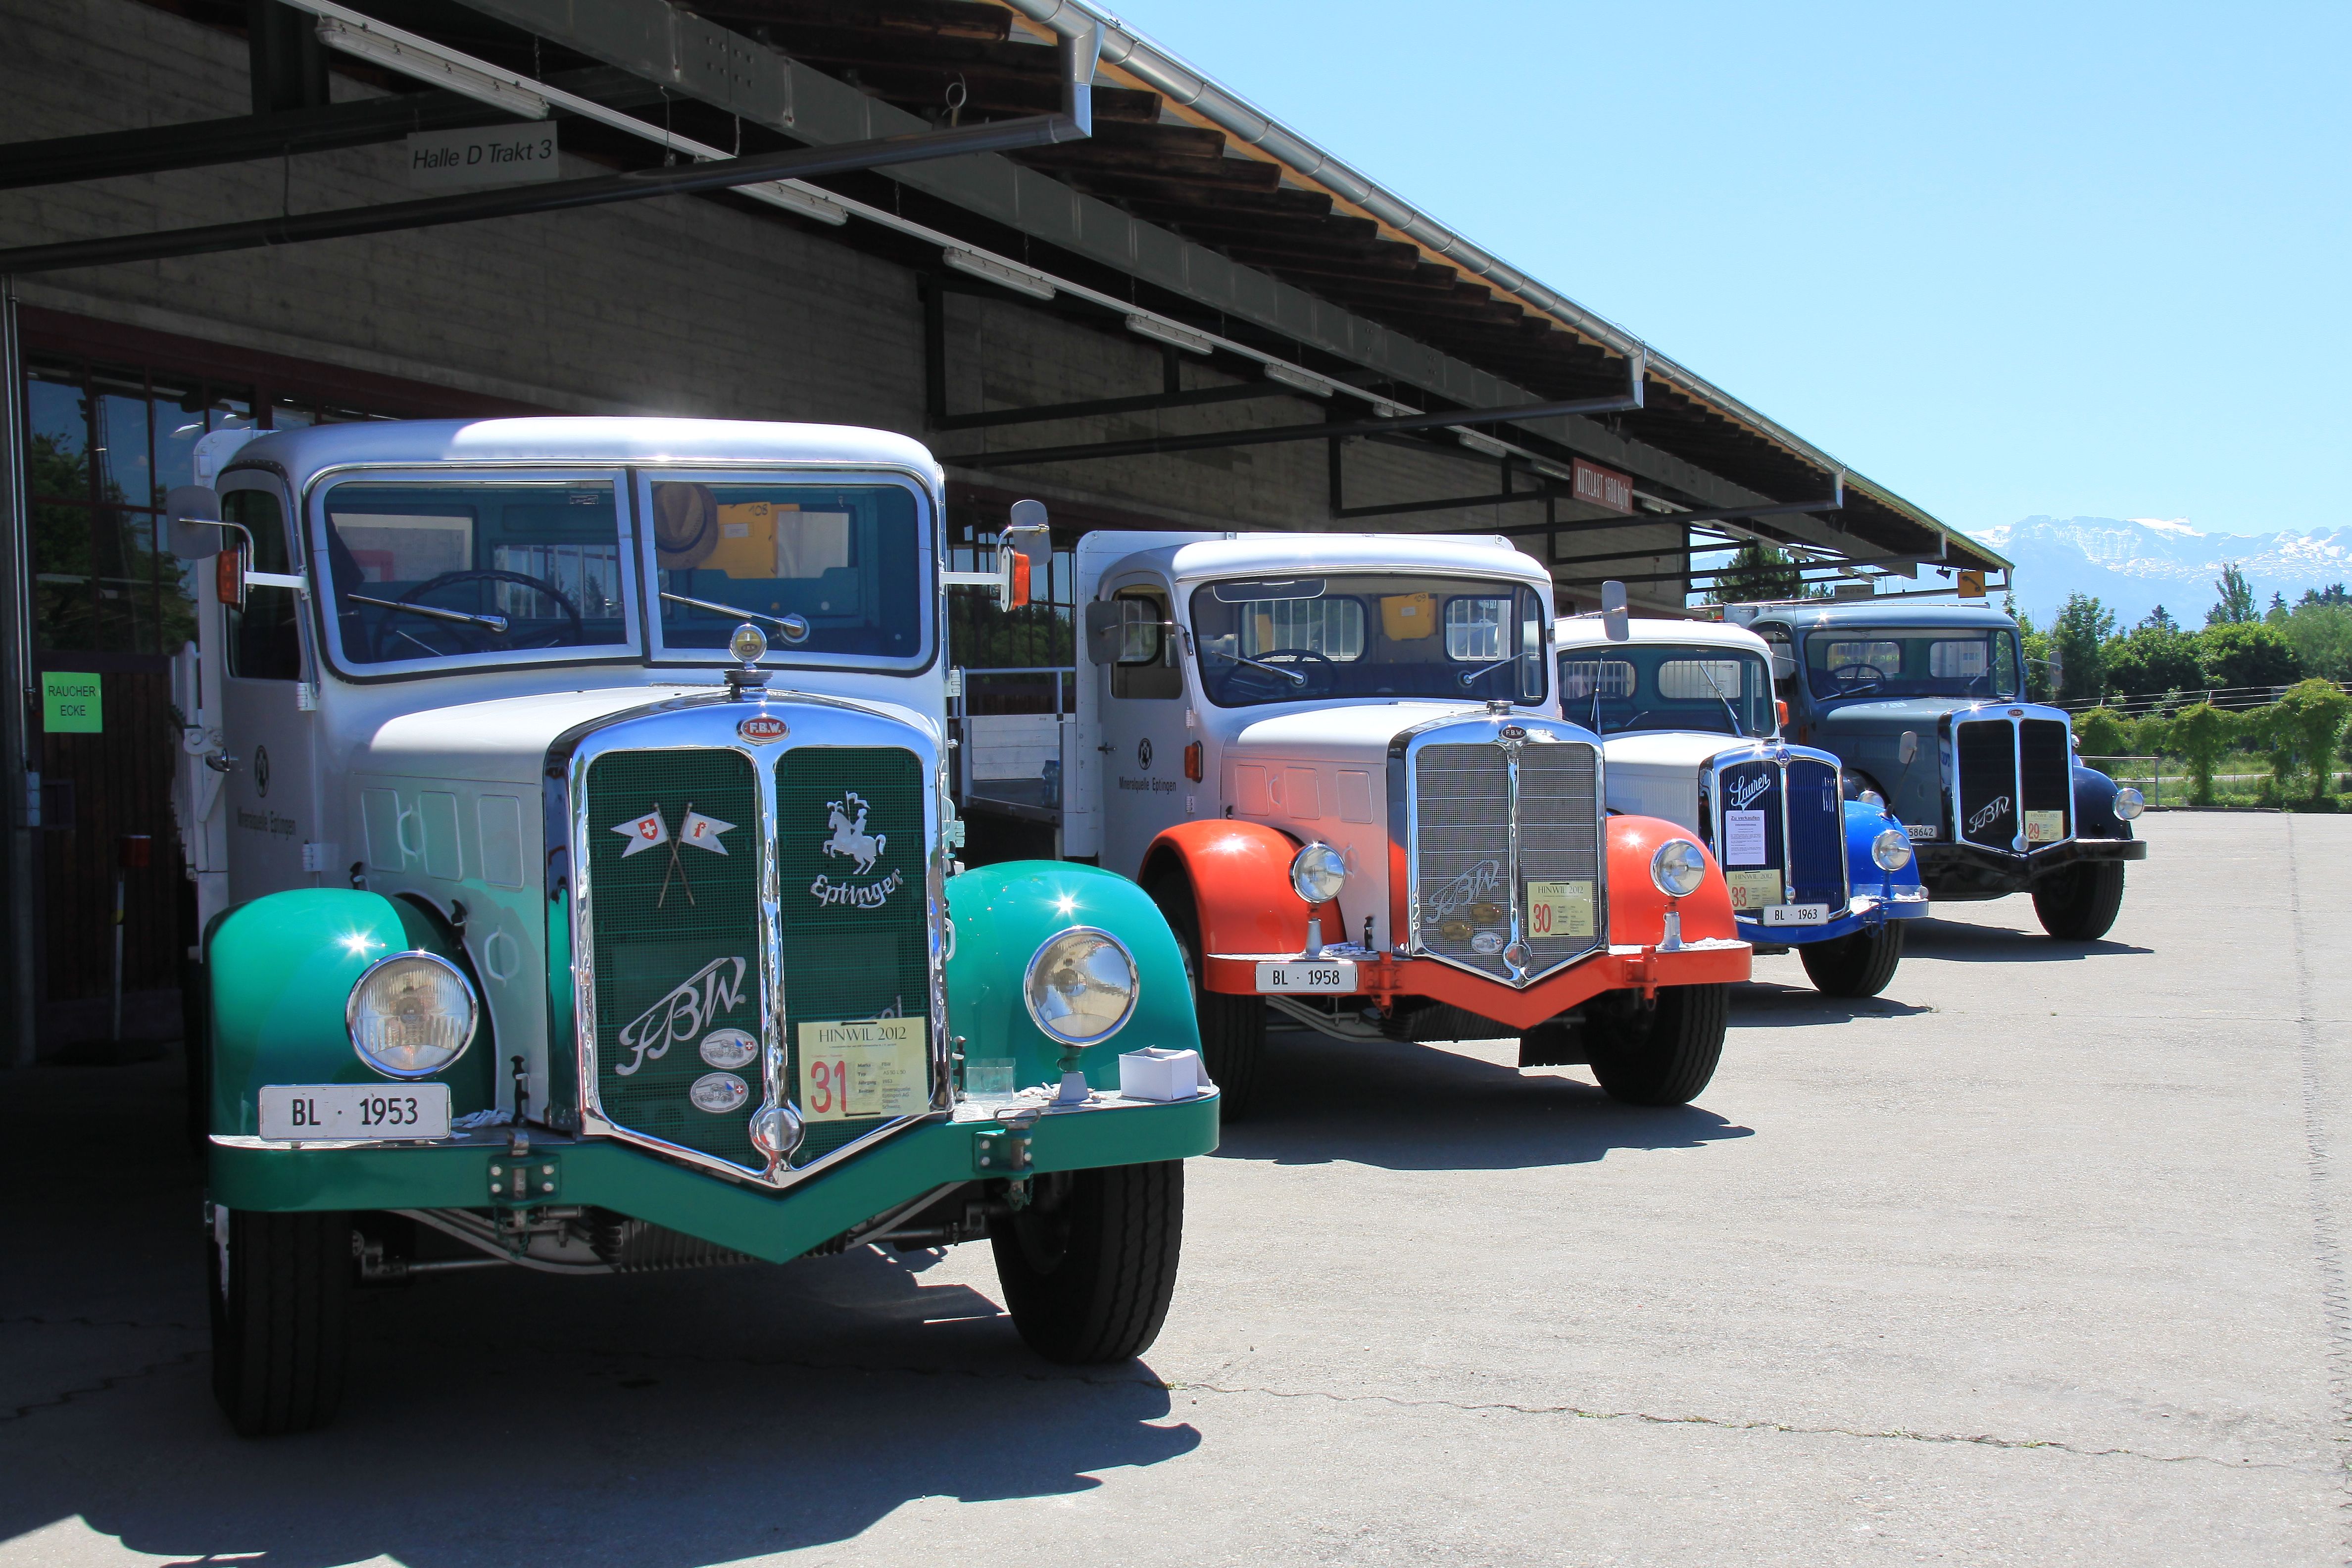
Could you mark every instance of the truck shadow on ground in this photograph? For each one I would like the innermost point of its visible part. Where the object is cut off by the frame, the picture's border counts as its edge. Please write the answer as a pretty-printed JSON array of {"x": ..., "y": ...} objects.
[
  {"x": 1415, "y": 1108},
  {"x": 686, "y": 1418},
  {"x": 1964, "y": 942},
  {"x": 1767, "y": 1005}
]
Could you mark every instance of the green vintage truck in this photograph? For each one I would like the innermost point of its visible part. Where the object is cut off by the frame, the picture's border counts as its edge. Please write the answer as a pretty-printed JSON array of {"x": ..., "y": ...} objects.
[{"x": 567, "y": 809}]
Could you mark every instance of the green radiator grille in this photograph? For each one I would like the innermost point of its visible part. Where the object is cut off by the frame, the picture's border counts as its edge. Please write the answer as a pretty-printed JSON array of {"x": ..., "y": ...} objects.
[
  {"x": 849, "y": 877},
  {"x": 676, "y": 942}
]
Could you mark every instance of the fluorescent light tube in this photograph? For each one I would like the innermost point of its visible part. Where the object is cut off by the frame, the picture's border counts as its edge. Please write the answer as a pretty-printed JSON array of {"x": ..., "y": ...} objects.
[
  {"x": 1004, "y": 274},
  {"x": 1169, "y": 333},
  {"x": 427, "y": 65}
]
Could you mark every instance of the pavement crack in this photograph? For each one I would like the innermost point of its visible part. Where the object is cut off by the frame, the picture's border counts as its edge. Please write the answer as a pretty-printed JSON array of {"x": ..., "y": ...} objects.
[
  {"x": 1731, "y": 1424},
  {"x": 2327, "y": 1242},
  {"x": 103, "y": 1385}
]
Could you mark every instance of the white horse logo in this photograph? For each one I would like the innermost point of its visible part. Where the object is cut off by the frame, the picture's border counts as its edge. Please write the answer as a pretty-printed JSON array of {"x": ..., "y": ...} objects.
[{"x": 849, "y": 835}]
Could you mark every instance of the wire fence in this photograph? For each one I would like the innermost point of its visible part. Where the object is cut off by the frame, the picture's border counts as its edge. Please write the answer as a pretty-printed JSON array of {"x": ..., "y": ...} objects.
[{"x": 2139, "y": 703}]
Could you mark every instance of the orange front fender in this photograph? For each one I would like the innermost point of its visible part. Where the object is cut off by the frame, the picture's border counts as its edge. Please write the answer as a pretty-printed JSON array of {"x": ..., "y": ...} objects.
[
  {"x": 1637, "y": 911},
  {"x": 1240, "y": 873}
]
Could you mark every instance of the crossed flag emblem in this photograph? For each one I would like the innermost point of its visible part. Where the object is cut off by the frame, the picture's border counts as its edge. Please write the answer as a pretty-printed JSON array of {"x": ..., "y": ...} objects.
[{"x": 651, "y": 832}]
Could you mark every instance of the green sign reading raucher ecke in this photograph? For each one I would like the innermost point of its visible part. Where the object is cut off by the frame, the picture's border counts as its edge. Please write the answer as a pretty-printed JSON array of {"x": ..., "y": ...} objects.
[{"x": 70, "y": 703}]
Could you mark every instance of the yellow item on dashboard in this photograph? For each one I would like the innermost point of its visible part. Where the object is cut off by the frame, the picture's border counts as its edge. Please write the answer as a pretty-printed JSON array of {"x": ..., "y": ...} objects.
[
  {"x": 746, "y": 546},
  {"x": 1405, "y": 617}
]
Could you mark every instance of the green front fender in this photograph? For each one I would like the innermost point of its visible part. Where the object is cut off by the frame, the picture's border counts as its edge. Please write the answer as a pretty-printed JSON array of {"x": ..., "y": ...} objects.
[
  {"x": 281, "y": 968},
  {"x": 1003, "y": 913}
]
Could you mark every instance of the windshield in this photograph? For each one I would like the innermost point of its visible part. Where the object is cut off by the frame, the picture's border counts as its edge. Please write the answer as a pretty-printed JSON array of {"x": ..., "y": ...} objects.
[
  {"x": 832, "y": 569},
  {"x": 1643, "y": 686},
  {"x": 1913, "y": 661},
  {"x": 488, "y": 570},
  {"x": 1284, "y": 639}
]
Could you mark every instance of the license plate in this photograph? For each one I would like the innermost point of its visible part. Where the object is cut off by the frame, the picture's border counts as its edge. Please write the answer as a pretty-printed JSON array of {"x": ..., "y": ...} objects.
[
  {"x": 1796, "y": 914},
  {"x": 1923, "y": 832},
  {"x": 1338, "y": 976},
  {"x": 324, "y": 1112}
]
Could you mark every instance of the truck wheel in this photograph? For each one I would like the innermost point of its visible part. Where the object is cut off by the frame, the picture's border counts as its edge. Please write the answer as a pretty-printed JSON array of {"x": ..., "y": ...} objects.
[
  {"x": 1856, "y": 965},
  {"x": 1663, "y": 1054},
  {"x": 279, "y": 1324},
  {"x": 1089, "y": 1266},
  {"x": 1233, "y": 1028},
  {"x": 2079, "y": 903}
]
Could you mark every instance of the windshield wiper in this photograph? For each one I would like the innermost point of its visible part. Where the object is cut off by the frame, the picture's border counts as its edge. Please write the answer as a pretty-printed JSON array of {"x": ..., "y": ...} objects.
[
  {"x": 1468, "y": 676},
  {"x": 1292, "y": 676},
  {"x": 1729, "y": 712},
  {"x": 795, "y": 626},
  {"x": 497, "y": 624}
]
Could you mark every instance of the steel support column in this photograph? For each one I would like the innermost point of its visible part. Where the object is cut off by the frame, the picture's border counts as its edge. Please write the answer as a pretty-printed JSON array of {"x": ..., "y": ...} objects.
[{"x": 20, "y": 786}]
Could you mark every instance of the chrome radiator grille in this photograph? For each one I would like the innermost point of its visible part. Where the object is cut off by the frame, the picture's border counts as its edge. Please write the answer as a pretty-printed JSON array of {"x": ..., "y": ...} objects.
[
  {"x": 2016, "y": 788},
  {"x": 1513, "y": 905}
]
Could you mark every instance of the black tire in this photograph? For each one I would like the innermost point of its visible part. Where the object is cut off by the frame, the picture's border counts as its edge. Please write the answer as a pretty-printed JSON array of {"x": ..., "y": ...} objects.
[
  {"x": 2079, "y": 903},
  {"x": 281, "y": 1320},
  {"x": 1089, "y": 1266},
  {"x": 1856, "y": 965},
  {"x": 1233, "y": 1028},
  {"x": 1663, "y": 1054},
  {"x": 195, "y": 1036}
]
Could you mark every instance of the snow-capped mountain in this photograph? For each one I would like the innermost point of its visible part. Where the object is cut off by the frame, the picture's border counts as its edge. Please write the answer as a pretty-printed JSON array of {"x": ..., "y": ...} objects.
[{"x": 2133, "y": 565}]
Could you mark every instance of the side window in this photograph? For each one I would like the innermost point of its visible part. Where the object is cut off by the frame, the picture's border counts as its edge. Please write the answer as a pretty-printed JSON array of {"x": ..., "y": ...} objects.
[
  {"x": 263, "y": 641},
  {"x": 1146, "y": 664}
]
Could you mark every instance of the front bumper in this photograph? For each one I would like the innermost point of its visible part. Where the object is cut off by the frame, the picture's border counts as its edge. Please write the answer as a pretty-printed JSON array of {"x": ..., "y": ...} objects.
[
  {"x": 1863, "y": 911},
  {"x": 1963, "y": 871},
  {"x": 1382, "y": 977},
  {"x": 246, "y": 1174}
]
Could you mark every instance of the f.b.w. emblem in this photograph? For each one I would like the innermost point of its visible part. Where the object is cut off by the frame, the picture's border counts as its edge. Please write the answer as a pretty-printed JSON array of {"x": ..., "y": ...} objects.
[{"x": 851, "y": 841}]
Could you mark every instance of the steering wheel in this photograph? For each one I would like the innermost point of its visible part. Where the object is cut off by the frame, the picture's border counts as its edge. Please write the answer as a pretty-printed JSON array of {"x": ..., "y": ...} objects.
[
  {"x": 1849, "y": 675},
  {"x": 482, "y": 638}
]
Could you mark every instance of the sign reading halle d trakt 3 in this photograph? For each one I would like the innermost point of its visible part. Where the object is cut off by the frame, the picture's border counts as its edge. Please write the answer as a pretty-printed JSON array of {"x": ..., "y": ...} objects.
[{"x": 494, "y": 155}]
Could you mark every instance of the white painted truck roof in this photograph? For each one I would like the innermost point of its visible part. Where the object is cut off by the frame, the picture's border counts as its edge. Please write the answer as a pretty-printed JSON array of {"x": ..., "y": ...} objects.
[
  {"x": 1583, "y": 631},
  {"x": 1194, "y": 557}
]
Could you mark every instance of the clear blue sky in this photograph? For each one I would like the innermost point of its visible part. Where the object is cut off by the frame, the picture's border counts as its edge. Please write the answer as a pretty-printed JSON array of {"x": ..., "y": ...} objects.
[{"x": 2007, "y": 260}]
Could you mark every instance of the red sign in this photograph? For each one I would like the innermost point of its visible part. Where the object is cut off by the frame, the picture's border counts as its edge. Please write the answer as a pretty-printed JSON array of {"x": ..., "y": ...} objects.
[
  {"x": 1603, "y": 488},
  {"x": 762, "y": 728}
]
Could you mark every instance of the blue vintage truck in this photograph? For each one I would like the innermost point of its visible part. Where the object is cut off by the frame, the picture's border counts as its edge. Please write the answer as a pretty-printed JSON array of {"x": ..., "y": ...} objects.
[
  {"x": 1691, "y": 733},
  {"x": 1925, "y": 706}
]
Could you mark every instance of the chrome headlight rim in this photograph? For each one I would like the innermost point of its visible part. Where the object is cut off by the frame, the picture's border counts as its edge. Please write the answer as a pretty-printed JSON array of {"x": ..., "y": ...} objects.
[
  {"x": 2129, "y": 804},
  {"x": 1687, "y": 872},
  {"x": 465, "y": 988},
  {"x": 1318, "y": 864},
  {"x": 1891, "y": 849},
  {"x": 1029, "y": 984}
]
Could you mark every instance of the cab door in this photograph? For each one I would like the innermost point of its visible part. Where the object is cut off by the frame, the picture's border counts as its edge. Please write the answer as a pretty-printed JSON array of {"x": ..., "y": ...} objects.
[
  {"x": 1144, "y": 789},
  {"x": 271, "y": 791}
]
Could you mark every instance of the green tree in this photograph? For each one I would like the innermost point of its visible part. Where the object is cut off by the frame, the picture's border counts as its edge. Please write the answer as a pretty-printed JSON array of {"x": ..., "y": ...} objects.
[
  {"x": 2236, "y": 604},
  {"x": 2158, "y": 619},
  {"x": 2319, "y": 629},
  {"x": 2307, "y": 724},
  {"x": 2152, "y": 658},
  {"x": 1761, "y": 572},
  {"x": 2079, "y": 640},
  {"x": 2101, "y": 733},
  {"x": 2039, "y": 687},
  {"x": 2198, "y": 736},
  {"x": 2247, "y": 653}
]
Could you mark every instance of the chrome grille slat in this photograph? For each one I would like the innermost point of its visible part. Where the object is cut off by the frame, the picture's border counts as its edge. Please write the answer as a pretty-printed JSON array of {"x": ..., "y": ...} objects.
[{"x": 1462, "y": 833}]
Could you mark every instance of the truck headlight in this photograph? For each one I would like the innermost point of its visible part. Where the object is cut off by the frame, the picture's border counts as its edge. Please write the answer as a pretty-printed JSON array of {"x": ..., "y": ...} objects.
[
  {"x": 1891, "y": 849},
  {"x": 1080, "y": 987},
  {"x": 1678, "y": 867},
  {"x": 2129, "y": 803},
  {"x": 1317, "y": 872},
  {"x": 411, "y": 1014}
]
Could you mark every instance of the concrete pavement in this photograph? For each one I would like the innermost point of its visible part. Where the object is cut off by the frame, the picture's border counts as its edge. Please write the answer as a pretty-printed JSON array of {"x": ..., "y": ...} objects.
[{"x": 2039, "y": 1258}]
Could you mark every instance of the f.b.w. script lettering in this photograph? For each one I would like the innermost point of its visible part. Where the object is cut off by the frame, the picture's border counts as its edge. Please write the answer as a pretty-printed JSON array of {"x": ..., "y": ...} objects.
[{"x": 683, "y": 1014}]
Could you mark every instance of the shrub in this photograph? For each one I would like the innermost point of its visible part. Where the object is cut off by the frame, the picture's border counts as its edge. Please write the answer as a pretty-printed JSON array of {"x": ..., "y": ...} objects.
[
  {"x": 2103, "y": 734},
  {"x": 2248, "y": 653},
  {"x": 2304, "y": 726},
  {"x": 2198, "y": 736}
]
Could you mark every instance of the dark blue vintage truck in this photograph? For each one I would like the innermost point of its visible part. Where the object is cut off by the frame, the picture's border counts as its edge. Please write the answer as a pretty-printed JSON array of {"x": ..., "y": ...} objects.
[{"x": 1925, "y": 706}]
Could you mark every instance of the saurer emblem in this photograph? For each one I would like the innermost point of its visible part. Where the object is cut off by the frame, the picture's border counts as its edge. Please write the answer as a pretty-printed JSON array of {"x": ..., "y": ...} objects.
[{"x": 1747, "y": 789}]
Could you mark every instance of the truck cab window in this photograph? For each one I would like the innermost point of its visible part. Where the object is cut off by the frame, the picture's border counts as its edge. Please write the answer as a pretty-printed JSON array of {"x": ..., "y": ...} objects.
[
  {"x": 1145, "y": 665},
  {"x": 1279, "y": 639},
  {"x": 481, "y": 570},
  {"x": 264, "y": 637}
]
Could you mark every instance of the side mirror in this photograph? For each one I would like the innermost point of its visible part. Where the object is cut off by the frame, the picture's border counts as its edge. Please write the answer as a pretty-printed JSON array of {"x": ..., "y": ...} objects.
[
  {"x": 1784, "y": 666},
  {"x": 193, "y": 511},
  {"x": 1909, "y": 748},
  {"x": 1615, "y": 621},
  {"x": 1102, "y": 631},
  {"x": 1024, "y": 548}
]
